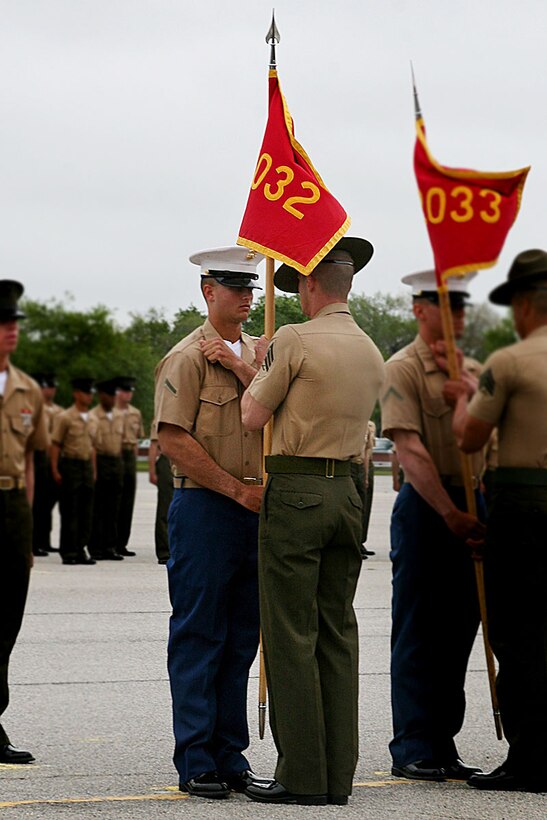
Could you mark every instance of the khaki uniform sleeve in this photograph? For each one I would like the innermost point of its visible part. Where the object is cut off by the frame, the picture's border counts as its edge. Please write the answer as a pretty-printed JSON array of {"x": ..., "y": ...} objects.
[
  {"x": 495, "y": 385},
  {"x": 39, "y": 438},
  {"x": 281, "y": 365},
  {"x": 400, "y": 401},
  {"x": 178, "y": 387},
  {"x": 142, "y": 434},
  {"x": 60, "y": 427}
]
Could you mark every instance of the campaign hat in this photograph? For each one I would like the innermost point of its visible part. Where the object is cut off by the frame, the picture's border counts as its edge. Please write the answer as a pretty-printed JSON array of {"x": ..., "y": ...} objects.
[
  {"x": 528, "y": 272},
  {"x": 360, "y": 251},
  {"x": 232, "y": 266}
]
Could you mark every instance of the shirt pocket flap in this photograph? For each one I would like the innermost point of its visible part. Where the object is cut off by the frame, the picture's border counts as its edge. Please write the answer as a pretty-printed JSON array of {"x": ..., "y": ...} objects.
[
  {"x": 435, "y": 406},
  {"x": 20, "y": 425},
  {"x": 218, "y": 394},
  {"x": 301, "y": 501}
]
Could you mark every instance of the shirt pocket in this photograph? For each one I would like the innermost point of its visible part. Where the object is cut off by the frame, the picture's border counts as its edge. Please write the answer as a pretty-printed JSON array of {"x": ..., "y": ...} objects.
[
  {"x": 218, "y": 410},
  {"x": 22, "y": 427},
  {"x": 435, "y": 406}
]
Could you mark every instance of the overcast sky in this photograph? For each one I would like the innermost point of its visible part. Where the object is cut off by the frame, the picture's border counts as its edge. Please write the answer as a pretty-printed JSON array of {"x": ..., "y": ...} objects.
[{"x": 130, "y": 129}]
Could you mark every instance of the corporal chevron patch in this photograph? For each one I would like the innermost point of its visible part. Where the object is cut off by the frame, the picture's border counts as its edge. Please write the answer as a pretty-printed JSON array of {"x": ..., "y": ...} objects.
[
  {"x": 268, "y": 359},
  {"x": 392, "y": 391},
  {"x": 170, "y": 387},
  {"x": 487, "y": 382}
]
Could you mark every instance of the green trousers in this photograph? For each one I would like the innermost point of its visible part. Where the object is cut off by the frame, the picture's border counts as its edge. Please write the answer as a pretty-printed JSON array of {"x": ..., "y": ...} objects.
[
  {"x": 127, "y": 500},
  {"x": 515, "y": 573},
  {"x": 309, "y": 563}
]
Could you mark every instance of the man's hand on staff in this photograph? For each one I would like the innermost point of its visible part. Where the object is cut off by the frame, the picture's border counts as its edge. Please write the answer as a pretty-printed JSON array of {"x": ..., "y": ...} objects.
[{"x": 465, "y": 526}]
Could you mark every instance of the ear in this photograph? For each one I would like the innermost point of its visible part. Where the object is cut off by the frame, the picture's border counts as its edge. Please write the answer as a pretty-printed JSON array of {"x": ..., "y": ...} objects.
[
  {"x": 209, "y": 292},
  {"x": 418, "y": 310}
]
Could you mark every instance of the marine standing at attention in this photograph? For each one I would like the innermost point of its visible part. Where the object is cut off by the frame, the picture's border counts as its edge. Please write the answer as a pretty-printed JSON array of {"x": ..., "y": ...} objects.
[
  {"x": 73, "y": 468},
  {"x": 23, "y": 429},
  {"x": 213, "y": 528},
  {"x": 435, "y": 613},
  {"x": 132, "y": 431},
  {"x": 512, "y": 396},
  {"x": 320, "y": 381}
]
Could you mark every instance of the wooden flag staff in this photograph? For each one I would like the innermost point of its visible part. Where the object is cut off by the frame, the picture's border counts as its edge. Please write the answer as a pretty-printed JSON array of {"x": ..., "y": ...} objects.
[
  {"x": 467, "y": 473},
  {"x": 272, "y": 38}
]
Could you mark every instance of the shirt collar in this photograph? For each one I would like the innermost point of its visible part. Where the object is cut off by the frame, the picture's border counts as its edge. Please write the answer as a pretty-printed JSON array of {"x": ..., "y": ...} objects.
[{"x": 335, "y": 307}]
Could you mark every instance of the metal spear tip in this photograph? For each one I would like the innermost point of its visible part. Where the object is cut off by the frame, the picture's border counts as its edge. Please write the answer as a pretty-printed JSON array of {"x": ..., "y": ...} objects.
[
  {"x": 273, "y": 35},
  {"x": 417, "y": 108}
]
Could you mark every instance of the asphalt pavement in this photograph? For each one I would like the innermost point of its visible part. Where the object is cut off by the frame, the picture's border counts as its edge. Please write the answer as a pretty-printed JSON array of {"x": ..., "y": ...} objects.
[{"x": 90, "y": 699}]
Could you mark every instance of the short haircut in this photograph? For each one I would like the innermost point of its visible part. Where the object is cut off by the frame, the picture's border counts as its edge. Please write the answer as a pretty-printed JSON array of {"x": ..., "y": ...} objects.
[{"x": 334, "y": 280}]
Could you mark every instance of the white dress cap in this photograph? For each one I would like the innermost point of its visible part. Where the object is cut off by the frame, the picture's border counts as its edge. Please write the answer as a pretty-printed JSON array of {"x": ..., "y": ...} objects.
[
  {"x": 425, "y": 281},
  {"x": 235, "y": 259}
]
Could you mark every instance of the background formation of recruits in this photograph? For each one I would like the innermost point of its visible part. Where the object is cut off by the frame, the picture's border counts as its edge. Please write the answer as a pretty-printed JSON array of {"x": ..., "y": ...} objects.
[{"x": 300, "y": 539}]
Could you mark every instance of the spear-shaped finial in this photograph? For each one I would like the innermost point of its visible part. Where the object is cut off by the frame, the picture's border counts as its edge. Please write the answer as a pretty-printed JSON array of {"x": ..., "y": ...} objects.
[
  {"x": 417, "y": 108},
  {"x": 272, "y": 38}
]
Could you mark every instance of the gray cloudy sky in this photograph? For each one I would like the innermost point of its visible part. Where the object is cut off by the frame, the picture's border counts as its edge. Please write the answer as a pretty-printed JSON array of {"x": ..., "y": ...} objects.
[{"x": 129, "y": 129}]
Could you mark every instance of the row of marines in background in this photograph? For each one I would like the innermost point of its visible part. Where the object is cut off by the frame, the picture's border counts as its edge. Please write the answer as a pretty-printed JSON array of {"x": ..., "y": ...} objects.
[{"x": 90, "y": 468}]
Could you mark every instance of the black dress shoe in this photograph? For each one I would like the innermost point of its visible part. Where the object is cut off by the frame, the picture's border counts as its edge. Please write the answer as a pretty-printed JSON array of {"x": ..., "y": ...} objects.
[
  {"x": 337, "y": 799},
  {"x": 364, "y": 555},
  {"x": 420, "y": 770},
  {"x": 39, "y": 552},
  {"x": 86, "y": 560},
  {"x": 49, "y": 548},
  {"x": 274, "y": 792},
  {"x": 8, "y": 754},
  {"x": 111, "y": 556},
  {"x": 207, "y": 784},
  {"x": 367, "y": 552},
  {"x": 240, "y": 781},
  {"x": 505, "y": 780},
  {"x": 126, "y": 553},
  {"x": 457, "y": 770}
]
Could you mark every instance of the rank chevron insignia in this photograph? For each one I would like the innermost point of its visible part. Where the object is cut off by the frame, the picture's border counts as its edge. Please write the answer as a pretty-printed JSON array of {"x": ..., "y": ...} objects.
[{"x": 268, "y": 359}]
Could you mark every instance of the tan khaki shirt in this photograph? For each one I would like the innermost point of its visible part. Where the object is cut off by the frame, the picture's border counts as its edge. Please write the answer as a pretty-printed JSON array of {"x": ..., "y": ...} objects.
[
  {"x": 412, "y": 400},
  {"x": 52, "y": 410},
  {"x": 23, "y": 423},
  {"x": 73, "y": 434},
  {"x": 321, "y": 380},
  {"x": 107, "y": 434},
  {"x": 204, "y": 399},
  {"x": 133, "y": 429},
  {"x": 513, "y": 395},
  {"x": 370, "y": 442}
]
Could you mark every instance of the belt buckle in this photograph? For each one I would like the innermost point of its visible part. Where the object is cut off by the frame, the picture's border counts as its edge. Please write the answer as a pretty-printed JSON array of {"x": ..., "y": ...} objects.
[
  {"x": 7, "y": 483},
  {"x": 251, "y": 480},
  {"x": 329, "y": 473}
]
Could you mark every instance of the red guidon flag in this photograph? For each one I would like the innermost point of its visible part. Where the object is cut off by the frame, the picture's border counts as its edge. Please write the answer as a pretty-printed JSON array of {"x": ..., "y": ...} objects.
[
  {"x": 290, "y": 214},
  {"x": 468, "y": 213}
]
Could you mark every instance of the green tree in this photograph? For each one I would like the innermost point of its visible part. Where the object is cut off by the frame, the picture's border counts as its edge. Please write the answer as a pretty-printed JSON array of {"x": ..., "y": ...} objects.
[
  {"x": 287, "y": 312},
  {"x": 501, "y": 335},
  {"x": 388, "y": 320}
]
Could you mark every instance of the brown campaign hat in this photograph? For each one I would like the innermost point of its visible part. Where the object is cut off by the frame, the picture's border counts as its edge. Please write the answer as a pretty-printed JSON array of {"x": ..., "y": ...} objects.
[
  {"x": 10, "y": 293},
  {"x": 528, "y": 268},
  {"x": 360, "y": 250}
]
